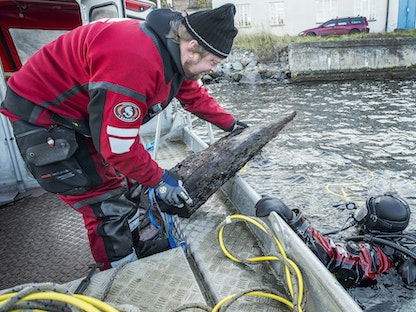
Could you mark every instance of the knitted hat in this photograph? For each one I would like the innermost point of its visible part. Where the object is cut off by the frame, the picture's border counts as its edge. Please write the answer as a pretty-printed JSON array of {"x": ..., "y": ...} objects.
[{"x": 213, "y": 29}]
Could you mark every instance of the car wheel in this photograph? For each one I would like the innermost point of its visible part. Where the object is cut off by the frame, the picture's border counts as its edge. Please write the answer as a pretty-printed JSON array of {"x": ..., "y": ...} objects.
[
  {"x": 354, "y": 31},
  {"x": 311, "y": 34}
]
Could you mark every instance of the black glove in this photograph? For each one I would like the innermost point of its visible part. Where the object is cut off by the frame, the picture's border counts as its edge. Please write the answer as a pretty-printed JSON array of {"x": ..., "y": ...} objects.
[
  {"x": 237, "y": 124},
  {"x": 268, "y": 204},
  {"x": 407, "y": 269},
  {"x": 408, "y": 272},
  {"x": 170, "y": 189},
  {"x": 294, "y": 218}
]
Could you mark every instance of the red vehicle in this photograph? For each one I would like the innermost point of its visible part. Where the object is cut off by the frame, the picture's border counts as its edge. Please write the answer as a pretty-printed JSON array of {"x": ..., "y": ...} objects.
[
  {"x": 339, "y": 26},
  {"x": 139, "y": 8}
]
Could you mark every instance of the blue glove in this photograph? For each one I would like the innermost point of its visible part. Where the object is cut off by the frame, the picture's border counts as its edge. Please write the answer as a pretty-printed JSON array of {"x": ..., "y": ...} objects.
[{"x": 170, "y": 189}]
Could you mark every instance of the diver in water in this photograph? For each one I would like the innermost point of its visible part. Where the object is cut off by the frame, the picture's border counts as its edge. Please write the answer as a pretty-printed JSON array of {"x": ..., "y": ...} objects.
[{"x": 380, "y": 246}]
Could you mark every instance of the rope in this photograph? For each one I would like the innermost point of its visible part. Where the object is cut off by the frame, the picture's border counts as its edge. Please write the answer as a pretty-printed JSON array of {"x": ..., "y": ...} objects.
[
  {"x": 168, "y": 222},
  {"x": 112, "y": 279}
]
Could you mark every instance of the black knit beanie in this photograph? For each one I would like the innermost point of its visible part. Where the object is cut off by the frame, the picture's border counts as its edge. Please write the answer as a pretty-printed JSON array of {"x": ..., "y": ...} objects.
[{"x": 213, "y": 29}]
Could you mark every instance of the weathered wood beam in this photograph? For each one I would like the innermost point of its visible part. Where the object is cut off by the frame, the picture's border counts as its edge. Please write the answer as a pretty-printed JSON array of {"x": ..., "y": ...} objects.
[{"x": 203, "y": 173}]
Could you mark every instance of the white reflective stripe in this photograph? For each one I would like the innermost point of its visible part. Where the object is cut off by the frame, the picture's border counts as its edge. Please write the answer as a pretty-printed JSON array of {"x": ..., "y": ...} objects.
[
  {"x": 134, "y": 221},
  {"x": 122, "y": 132},
  {"x": 120, "y": 146},
  {"x": 131, "y": 257}
]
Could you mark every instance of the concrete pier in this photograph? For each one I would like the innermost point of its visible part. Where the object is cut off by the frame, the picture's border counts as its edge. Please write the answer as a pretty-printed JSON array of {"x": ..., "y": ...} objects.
[{"x": 367, "y": 58}]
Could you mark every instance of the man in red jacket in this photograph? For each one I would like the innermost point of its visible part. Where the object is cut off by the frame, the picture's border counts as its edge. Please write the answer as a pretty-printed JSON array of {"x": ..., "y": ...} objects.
[
  {"x": 77, "y": 106},
  {"x": 359, "y": 260}
]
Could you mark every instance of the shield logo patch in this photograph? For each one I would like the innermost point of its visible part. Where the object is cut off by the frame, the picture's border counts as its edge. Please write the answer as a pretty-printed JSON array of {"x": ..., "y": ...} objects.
[{"x": 127, "y": 112}]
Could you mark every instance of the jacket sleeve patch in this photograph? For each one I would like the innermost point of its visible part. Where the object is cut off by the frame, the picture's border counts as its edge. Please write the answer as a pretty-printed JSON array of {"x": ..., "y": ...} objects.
[
  {"x": 122, "y": 132},
  {"x": 127, "y": 111},
  {"x": 120, "y": 146},
  {"x": 121, "y": 139}
]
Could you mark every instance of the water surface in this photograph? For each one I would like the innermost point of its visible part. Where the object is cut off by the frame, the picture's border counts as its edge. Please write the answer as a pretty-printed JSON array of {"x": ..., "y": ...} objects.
[{"x": 350, "y": 140}]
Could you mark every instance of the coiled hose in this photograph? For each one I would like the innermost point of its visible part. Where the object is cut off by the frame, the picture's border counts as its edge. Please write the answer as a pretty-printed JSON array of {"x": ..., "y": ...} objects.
[
  {"x": 49, "y": 297},
  {"x": 294, "y": 277}
]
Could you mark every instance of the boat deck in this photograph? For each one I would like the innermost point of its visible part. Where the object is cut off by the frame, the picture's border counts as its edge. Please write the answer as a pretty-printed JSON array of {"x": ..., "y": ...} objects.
[{"x": 43, "y": 240}]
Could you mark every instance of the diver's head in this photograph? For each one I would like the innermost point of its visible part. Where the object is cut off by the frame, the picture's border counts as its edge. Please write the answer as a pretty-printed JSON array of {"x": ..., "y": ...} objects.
[{"x": 386, "y": 213}]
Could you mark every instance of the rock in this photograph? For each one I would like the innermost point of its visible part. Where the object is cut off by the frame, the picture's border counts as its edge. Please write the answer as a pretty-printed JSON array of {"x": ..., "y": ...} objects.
[
  {"x": 245, "y": 61},
  {"x": 244, "y": 67}
]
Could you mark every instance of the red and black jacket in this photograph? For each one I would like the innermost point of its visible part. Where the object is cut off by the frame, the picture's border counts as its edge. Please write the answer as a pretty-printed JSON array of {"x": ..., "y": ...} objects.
[{"x": 103, "y": 79}]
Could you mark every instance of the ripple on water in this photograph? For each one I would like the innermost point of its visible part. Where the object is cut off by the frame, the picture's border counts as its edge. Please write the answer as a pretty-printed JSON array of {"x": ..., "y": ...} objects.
[{"x": 355, "y": 136}]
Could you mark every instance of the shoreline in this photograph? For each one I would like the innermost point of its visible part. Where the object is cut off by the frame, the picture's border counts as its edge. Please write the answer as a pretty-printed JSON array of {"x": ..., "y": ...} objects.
[{"x": 364, "y": 58}]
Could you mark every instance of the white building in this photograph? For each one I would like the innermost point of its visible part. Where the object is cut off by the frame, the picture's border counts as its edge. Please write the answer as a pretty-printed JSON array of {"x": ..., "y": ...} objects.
[{"x": 289, "y": 17}]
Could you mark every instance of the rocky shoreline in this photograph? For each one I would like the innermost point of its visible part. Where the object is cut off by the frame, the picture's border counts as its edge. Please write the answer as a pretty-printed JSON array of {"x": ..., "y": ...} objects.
[{"x": 245, "y": 67}]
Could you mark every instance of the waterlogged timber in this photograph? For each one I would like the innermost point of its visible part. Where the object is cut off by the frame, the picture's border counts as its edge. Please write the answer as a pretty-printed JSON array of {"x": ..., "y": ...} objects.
[{"x": 205, "y": 172}]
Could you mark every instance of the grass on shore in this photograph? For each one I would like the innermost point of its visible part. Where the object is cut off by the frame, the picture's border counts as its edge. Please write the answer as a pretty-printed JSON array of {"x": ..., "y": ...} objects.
[{"x": 265, "y": 45}]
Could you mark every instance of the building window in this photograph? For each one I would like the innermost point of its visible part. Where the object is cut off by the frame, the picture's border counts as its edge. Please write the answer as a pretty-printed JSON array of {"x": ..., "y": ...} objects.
[
  {"x": 243, "y": 17},
  {"x": 325, "y": 10},
  {"x": 277, "y": 13},
  {"x": 365, "y": 8}
]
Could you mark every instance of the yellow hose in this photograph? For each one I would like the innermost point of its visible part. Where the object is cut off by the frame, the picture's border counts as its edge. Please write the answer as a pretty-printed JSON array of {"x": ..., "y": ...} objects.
[
  {"x": 343, "y": 194},
  {"x": 287, "y": 263},
  {"x": 254, "y": 294},
  {"x": 97, "y": 303},
  {"x": 82, "y": 302}
]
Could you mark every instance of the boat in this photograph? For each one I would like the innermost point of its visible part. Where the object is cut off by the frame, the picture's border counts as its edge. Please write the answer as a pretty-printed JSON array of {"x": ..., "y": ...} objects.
[{"x": 225, "y": 259}]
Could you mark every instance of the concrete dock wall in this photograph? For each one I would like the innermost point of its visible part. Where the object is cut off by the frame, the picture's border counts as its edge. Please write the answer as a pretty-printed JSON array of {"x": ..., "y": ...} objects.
[{"x": 356, "y": 59}]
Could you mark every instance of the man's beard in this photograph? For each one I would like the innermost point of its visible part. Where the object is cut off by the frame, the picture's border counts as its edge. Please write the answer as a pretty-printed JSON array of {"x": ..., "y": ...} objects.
[{"x": 188, "y": 74}]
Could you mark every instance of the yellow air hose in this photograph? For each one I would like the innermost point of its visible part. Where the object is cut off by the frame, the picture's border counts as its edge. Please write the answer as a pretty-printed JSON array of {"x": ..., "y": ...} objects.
[
  {"x": 341, "y": 185},
  {"x": 290, "y": 266},
  {"x": 85, "y": 303}
]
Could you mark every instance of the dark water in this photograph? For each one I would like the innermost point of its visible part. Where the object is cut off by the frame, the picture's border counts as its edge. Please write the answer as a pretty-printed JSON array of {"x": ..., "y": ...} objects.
[{"x": 355, "y": 138}]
